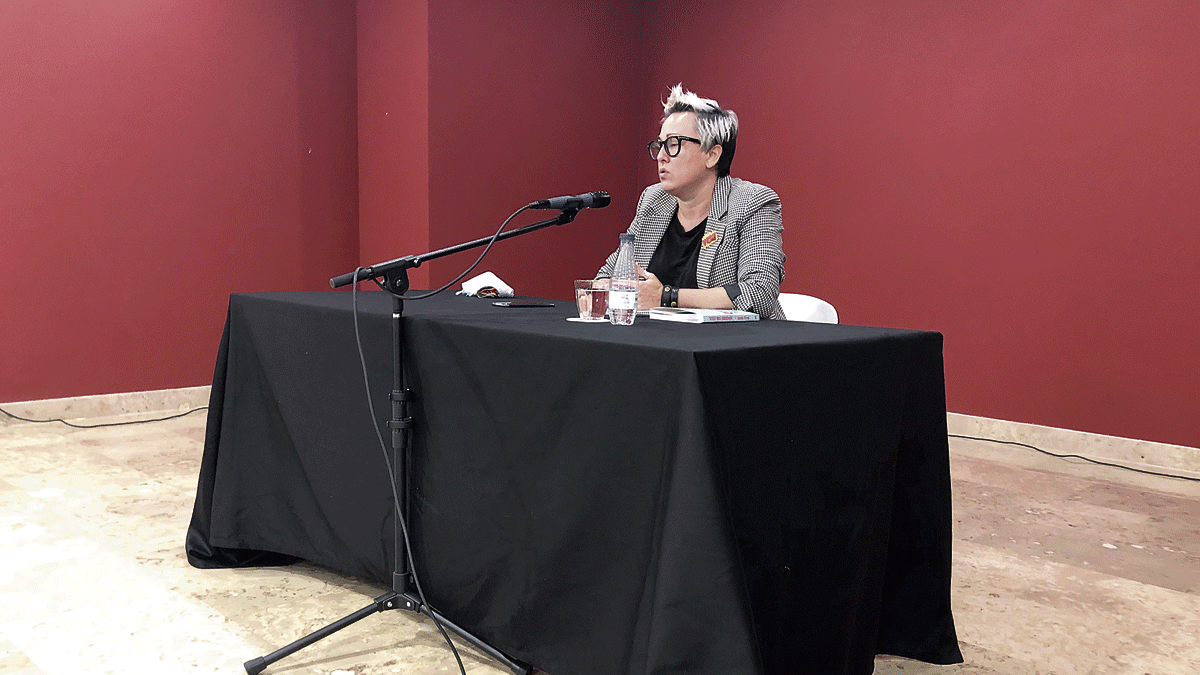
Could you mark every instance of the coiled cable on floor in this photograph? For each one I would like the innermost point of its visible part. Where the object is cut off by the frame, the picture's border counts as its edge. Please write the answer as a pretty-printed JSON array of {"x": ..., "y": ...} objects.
[
  {"x": 105, "y": 424},
  {"x": 1072, "y": 456}
]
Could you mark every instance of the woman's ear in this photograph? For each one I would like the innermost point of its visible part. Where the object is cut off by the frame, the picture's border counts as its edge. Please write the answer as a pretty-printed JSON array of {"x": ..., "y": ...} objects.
[{"x": 713, "y": 156}]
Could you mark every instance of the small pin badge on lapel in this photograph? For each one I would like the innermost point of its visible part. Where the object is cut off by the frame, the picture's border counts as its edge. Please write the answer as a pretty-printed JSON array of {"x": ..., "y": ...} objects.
[{"x": 709, "y": 239}]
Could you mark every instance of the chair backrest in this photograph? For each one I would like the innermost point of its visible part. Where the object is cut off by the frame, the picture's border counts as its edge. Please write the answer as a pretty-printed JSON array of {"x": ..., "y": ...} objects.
[{"x": 797, "y": 307}]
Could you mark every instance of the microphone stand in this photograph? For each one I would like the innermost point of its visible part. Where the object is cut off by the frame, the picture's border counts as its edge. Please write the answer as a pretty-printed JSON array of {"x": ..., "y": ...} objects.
[{"x": 395, "y": 275}]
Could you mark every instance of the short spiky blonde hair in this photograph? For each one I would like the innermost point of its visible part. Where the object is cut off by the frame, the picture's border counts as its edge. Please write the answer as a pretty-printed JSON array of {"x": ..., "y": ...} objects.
[{"x": 714, "y": 124}]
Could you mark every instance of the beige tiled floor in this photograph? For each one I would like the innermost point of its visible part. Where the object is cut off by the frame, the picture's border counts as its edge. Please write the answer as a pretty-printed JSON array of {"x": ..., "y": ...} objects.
[{"x": 1059, "y": 568}]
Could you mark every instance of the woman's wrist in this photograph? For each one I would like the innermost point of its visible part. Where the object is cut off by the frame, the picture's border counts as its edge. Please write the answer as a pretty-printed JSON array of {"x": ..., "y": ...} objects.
[{"x": 670, "y": 296}]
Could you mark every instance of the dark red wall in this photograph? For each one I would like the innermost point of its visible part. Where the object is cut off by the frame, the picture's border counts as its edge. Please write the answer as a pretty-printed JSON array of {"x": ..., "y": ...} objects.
[
  {"x": 469, "y": 109},
  {"x": 157, "y": 156},
  {"x": 393, "y": 132},
  {"x": 532, "y": 100},
  {"x": 1022, "y": 176}
]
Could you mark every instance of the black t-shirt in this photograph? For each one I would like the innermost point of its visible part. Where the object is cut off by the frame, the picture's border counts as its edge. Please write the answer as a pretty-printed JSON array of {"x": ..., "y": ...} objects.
[{"x": 674, "y": 261}]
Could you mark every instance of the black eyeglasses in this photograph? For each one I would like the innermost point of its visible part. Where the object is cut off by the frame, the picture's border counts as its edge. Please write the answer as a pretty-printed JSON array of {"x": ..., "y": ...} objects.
[{"x": 672, "y": 145}]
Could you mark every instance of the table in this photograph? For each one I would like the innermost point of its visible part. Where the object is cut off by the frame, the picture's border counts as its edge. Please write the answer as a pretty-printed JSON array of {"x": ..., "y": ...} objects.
[{"x": 758, "y": 498}]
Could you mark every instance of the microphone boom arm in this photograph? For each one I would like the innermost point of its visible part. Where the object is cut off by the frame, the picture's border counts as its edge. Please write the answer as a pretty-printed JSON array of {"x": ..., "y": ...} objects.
[{"x": 396, "y": 271}]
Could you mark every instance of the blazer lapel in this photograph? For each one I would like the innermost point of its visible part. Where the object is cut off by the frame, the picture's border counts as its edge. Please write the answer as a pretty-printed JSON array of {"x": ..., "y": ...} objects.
[
  {"x": 714, "y": 231},
  {"x": 653, "y": 228}
]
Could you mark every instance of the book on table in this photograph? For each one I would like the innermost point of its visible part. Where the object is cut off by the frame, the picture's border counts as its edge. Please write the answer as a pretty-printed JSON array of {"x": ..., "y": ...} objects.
[{"x": 688, "y": 315}]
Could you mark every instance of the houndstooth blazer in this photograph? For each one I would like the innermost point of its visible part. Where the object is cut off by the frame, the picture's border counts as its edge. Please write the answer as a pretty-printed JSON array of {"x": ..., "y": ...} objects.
[{"x": 742, "y": 243}]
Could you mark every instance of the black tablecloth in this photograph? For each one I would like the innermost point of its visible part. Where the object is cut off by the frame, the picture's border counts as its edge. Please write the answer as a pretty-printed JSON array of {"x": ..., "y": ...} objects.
[{"x": 758, "y": 498}]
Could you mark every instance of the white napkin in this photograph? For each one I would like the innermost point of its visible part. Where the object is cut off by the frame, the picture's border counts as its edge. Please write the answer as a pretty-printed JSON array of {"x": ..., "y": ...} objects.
[{"x": 473, "y": 285}]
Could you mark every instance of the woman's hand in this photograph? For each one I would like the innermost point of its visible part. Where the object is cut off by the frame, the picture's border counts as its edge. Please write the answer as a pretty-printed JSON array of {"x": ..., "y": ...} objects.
[{"x": 649, "y": 289}]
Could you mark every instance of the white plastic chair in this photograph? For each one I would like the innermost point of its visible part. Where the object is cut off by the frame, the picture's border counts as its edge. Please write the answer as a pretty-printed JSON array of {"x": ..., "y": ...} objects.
[{"x": 797, "y": 307}]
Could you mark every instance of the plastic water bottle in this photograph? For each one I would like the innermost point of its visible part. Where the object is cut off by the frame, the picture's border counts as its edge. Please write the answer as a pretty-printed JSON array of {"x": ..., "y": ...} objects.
[{"x": 623, "y": 287}]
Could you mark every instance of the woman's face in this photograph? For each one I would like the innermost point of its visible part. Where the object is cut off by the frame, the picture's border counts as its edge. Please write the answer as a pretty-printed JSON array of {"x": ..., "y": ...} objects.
[{"x": 683, "y": 174}]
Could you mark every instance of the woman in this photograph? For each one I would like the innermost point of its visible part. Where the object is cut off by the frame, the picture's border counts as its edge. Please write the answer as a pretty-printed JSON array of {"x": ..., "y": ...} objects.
[{"x": 704, "y": 238}]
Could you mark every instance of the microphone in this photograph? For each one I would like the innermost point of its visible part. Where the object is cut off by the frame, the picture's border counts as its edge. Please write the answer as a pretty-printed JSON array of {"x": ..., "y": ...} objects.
[{"x": 591, "y": 200}]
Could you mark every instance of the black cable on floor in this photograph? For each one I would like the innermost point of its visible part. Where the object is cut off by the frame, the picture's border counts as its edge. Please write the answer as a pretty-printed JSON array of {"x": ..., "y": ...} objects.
[
  {"x": 106, "y": 424},
  {"x": 1069, "y": 456}
]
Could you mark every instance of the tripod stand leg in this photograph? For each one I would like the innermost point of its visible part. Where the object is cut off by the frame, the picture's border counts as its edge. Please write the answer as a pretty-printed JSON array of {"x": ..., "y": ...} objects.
[
  {"x": 414, "y": 603},
  {"x": 399, "y": 597},
  {"x": 389, "y": 600}
]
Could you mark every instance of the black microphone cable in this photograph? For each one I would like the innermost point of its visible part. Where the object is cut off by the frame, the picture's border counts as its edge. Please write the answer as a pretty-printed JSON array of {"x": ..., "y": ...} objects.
[
  {"x": 400, "y": 513},
  {"x": 458, "y": 278},
  {"x": 1080, "y": 457},
  {"x": 103, "y": 424},
  {"x": 379, "y": 434}
]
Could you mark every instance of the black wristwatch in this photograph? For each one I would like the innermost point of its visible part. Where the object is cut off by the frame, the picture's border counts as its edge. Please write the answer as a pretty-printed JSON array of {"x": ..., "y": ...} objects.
[{"x": 670, "y": 296}]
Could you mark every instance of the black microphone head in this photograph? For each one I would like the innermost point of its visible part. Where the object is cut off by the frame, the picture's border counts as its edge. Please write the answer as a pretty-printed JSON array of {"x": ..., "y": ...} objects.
[{"x": 591, "y": 200}]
